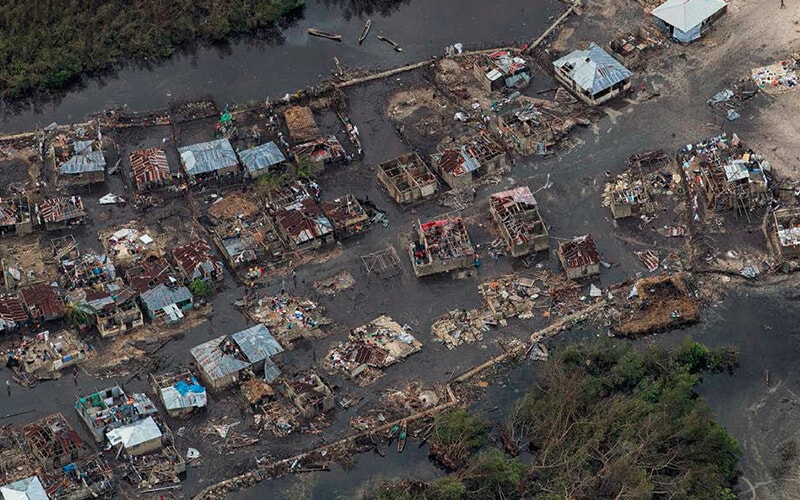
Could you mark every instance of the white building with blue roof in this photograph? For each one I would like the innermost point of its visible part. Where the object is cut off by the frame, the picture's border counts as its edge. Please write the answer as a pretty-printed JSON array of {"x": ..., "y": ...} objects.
[{"x": 592, "y": 75}]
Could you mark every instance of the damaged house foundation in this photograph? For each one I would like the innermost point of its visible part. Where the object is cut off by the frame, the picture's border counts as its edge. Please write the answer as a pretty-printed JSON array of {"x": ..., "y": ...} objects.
[
  {"x": 458, "y": 165},
  {"x": 579, "y": 257},
  {"x": 517, "y": 216},
  {"x": 440, "y": 246},
  {"x": 407, "y": 179}
]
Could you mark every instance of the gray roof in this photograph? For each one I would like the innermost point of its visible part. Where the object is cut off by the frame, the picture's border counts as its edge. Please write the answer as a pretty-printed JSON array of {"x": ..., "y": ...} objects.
[
  {"x": 271, "y": 371},
  {"x": 256, "y": 344},
  {"x": 593, "y": 69},
  {"x": 29, "y": 488},
  {"x": 686, "y": 14},
  {"x": 84, "y": 160},
  {"x": 163, "y": 296},
  {"x": 208, "y": 157},
  {"x": 261, "y": 157}
]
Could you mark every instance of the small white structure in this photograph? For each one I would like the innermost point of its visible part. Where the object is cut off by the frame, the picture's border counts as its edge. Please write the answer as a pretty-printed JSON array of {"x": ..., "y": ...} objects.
[
  {"x": 29, "y": 488},
  {"x": 138, "y": 438},
  {"x": 592, "y": 75},
  {"x": 687, "y": 20}
]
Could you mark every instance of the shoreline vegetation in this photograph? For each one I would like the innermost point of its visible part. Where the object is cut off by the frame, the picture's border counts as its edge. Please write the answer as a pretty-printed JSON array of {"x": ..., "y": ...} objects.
[
  {"x": 602, "y": 421},
  {"x": 44, "y": 46}
]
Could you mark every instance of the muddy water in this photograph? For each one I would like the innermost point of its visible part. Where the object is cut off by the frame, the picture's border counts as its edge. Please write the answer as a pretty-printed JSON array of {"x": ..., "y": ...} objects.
[{"x": 247, "y": 71}]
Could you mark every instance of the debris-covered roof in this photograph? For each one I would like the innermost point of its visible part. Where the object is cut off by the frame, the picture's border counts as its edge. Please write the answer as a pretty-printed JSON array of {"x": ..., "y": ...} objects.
[
  {"x": 520, "y": 195},
  {"x": 44, "y": 299},
  {"x": 507, "y": 62},
  {"x": 320, "y": 150},
  {"x": 458, "y": 161},
  {"x": 232, "y": 205},
  {"x": 580, "y": 252},
  {"x": 29, "y": 488},
  {"x": 13, "y": 211},
  {"x": 60, "y": 209},
  {"x": 84, "y": 160},
  {"x": 195, "y": 256},
  {"x": 208, "y": 157},
  {"x": 261, "y": 157},
  {"x": 305, "y": 223},
  {"x": 149, "y": 273},
  {"x": 301, "y": 124},
  {"x": 103, "y": 298},
  {"x": 150, "y": 166},
  {"x": 686, "y": 14},
  {"x": 593, "y": 70}
]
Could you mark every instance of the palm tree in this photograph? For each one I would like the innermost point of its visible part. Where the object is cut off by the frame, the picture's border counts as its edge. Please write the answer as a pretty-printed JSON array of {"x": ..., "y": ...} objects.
[
  {"x": 306, "y": 168},
  {"x": 268, "y": 183},
  {"x": 79, "y": 314}
]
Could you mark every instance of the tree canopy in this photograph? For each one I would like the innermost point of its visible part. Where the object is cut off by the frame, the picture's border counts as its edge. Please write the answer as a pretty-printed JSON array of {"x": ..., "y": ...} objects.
[
  {"x": 46, "y": 44},
  {"x": 603, "y": 421}
]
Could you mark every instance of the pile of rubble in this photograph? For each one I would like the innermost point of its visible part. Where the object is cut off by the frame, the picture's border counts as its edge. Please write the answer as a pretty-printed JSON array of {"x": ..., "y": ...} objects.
[
  {"x": 340, "y": 281},
  {"x": 289, "y": 318}
]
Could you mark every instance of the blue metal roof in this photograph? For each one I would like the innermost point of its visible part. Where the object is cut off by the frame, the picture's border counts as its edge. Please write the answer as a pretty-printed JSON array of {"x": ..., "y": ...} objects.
[
  {"x": 163, "y": 296},
  {"x": 261, "y": 157},
  {"x": 593, "y": 70},
  {"x": 208, "y": 157},
  {"x": 84, "y": 160},
  {"x": 257, "y": 343}
]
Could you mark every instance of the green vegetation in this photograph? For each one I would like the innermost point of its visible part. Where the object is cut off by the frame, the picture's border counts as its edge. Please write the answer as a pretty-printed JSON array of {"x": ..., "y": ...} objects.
[
  {"x": 200, "y": 288},
  {"x": 45, "y": 45},
  {"x": 604, "y": 421},
  {"x": 79, "y": 314}
]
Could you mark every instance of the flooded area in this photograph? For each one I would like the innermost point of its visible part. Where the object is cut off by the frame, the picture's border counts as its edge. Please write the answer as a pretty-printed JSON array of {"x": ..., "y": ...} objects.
[{"x": 253, "y": 70}]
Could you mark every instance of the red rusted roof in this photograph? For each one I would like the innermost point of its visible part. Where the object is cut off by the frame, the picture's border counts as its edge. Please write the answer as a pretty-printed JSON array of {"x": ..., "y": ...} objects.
[
  {"x": 193, "y": 255},
  {"x": 580, "y": 252},
  {"x": 150, "y": 167},
  {"x": 43, "y": 300},
  {"x": 60, "y": 209},
  {"x": 149, "y": 274},
  {"x": 11, "y": 309}
]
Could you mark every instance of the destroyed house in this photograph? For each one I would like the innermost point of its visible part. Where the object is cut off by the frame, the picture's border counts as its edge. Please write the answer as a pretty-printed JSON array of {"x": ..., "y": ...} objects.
[
  {"x": 262, "y": 159},
  {"x": 60, "y": 213},
  {"x": 49, "y": 353},
  {"x": 12, "y": 312},
  {"x": 222, "y": 360},
  {"x": 731, "y": 176},
  {"x": 150, "y": 273},
  {"x": 787, "y": 232},
  {"x": 166, "y": 304},
  {"x": 15, "y": 217},
  {"x": 54, "y": 442},
  {"x": 43, "y": 302},
  {"x": 310, "y": 394},
  {"x": 86, "y": 270},
  {"x": 112, "y": 408},
  {"x": 460, "y": 164},
  {"x": 500, "y": 70},
  {"x": 440, "y": 246},
  {"x": 300, "y": 123},
  {"x": 112, "y": 305},
  {"x": 15, "y": 461},
  {"x": 687, "y": 20},
  {"x": 517, "y": 215},
  {"x": 292, "y": 193},
  {"x": 526, "y": 130},
  {"x": 626, "y": 195},
  {"x": 180, "y": 392},
  {"x": 213, "y": 158},
  {"x": 347, "y": 216},
  {"x": 579, "y": 257},
  {"x": 407, "y": 178},
  {"x": 304, "y": 226},
  {"x": 320, "y": 151},
  {"x": 80, "y": 163},
  {"x": 150, "y": 168},
  {"x": 592, "y": 75},
  {"x": 195, "y": 261}
]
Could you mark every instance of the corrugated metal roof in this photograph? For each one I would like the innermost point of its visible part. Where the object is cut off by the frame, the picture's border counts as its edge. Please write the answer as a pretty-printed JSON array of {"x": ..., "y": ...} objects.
[
  {"x": 134, "y": 434},
  {"x": 686, "y": 14},
  {"x": 261, "y": 157},
  {"x": 84, "y": 160},
  {"x": 43, "y": 299},
  {"x": 580, "y": 251},
  {"x": 163, "y": 296},
  {"x": 208, "y": 157},
  {"x": 194, "y": 257},
  {"x": 271, "y": 370},
  {"x": 457, "y": 161},
  {"x": 257, "y": 343},
  {"x": 593, "y": 70},
  {"x": 60, "y": 209},
  {"x": 150, "y": 166},
  {"x": 184, "y": 395},
  {"x": 29, "y": 488},
  {"x": 11, "y": 309}
]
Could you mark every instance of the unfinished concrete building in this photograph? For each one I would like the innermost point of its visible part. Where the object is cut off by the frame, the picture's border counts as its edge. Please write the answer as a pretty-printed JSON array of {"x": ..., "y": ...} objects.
[
  {"x": 517, "y": 216},
  {"x": 54, "y": 442},
  {"x": 731, "y": 176},
  {"x": 113, "y": 307},
  {"x": 526, "y": 130},
  {"x": 479, "y": 155},
  {"x": 310, "y": 394},
  {"x": 407, "y": 178},
  {"x": 441, "y": 245},
  {"x": 60, "y": 213},
  {"x": 579, "y": 257},
  {"x": 15, "y": 217},
  {"x": 347, "y": 216},
  {"x": 786, "y": 232}
]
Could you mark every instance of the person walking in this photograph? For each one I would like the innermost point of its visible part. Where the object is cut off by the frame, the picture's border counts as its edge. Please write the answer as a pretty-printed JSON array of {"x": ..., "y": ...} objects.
[
  {"x": 75, "y": 375},
  {"x": 8, "y": 387}
]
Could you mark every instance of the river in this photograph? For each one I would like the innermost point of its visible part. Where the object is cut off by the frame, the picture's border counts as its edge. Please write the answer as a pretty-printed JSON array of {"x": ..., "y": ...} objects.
[{"x": 252, "y": 70}]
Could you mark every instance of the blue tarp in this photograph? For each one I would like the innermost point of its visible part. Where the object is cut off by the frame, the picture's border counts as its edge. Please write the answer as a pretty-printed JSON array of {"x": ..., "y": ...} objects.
[{"x": 185, "y": 388}]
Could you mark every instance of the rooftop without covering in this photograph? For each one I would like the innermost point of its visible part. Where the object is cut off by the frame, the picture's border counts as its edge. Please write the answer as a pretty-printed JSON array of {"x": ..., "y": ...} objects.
[
  {"x": 517, "y": 214},
  {"x": 579, "y": 257}
]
